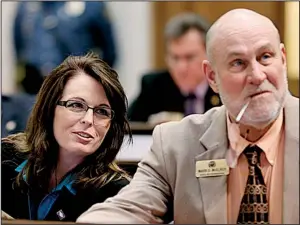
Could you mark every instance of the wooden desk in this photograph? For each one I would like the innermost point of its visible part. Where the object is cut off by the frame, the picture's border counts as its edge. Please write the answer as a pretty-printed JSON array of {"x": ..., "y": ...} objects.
[
  {"x": 142, "y": 140},
  {"x": 133, "y": 153},
  {"x": 141, "y": 128},
  {"x": 34, "y": 222}
]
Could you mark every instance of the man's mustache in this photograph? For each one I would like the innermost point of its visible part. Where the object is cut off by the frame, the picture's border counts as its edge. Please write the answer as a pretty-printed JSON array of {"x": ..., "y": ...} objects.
[{"x": 263, "y": 88}]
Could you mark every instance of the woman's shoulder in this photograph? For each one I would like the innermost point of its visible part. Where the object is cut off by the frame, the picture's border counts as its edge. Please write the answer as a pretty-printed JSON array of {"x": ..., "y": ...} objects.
[
  {"x": 90, "y": 195},
  {"x": 113, "y": 187},
  {"x": 119, "y": 183},
  {"x": 109, "y": 189}
]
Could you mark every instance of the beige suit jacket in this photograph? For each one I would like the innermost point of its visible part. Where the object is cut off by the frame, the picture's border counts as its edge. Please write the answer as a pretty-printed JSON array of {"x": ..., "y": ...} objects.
[{"x": 165, "y": 180}]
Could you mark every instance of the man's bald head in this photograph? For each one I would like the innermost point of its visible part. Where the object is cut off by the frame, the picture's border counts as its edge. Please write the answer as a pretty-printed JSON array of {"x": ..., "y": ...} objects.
[
  {"x": 246, "y": 57},
  {"x": 236, "y": 20}
]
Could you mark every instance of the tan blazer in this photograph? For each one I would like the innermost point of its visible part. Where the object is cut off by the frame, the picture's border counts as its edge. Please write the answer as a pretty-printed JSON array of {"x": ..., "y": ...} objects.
[{"x": 166, "y": 181}]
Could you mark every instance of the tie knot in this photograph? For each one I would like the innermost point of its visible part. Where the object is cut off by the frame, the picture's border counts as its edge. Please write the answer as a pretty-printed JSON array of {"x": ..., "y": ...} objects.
[
  {"x": 191, "y": 96},
  {"x": 252, "y": 154}
]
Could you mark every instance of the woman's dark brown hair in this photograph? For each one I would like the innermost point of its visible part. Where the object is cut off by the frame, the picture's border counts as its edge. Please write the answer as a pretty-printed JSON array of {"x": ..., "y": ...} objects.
[{"x": 98, "y": 168}]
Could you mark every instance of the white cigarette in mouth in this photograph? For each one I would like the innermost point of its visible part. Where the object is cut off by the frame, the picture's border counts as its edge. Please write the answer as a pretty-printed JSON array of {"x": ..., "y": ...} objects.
[{"x": 239, "y": 116}]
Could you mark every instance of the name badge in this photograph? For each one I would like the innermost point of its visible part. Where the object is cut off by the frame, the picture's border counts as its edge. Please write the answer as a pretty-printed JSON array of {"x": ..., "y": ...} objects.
[{"x": 211, "y": 168}]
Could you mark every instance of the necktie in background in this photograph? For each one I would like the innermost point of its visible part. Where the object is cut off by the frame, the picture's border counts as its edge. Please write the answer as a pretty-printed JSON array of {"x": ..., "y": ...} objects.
[
  {"x": 189, "y": 104},
  {"x": 254, "y": 207}
]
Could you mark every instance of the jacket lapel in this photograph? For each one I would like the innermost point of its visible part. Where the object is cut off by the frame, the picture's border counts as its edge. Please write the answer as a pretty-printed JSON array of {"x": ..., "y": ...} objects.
[
  {"x": 214, "y": 189},
  {"x": 291, "y": 163}
]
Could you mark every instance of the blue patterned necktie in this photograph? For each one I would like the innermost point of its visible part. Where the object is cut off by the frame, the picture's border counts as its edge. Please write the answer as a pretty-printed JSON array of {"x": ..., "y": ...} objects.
[{"x": 254, "y": 207}]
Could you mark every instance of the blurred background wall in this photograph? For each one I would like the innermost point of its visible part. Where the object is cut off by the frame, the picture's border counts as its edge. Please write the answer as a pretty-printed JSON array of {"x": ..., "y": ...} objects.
[
  {"x": 8, "y": 70},
  {"x": 291, "y": 30},
  {"x": 138, "y": 28}
]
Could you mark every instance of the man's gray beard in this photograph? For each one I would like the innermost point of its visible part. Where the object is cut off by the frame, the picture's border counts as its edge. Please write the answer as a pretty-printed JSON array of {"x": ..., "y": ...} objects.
[{"x": 257, "y": 124}]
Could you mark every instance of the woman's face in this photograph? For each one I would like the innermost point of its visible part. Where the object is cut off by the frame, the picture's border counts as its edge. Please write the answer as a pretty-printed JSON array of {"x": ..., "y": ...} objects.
[{"x": 79, "y": 132}]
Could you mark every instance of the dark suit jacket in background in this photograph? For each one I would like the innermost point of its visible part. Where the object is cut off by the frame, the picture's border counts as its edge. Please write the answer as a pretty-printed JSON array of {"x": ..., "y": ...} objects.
[
  {"x": 160, "y": 93},
  {"x": 15, "y": 112}
]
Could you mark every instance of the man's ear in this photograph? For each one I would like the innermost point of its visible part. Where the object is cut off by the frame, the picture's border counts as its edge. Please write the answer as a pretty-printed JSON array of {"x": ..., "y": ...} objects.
[
  {"x": 283, "y": 53},
  {"x": 210, "y": 75}
]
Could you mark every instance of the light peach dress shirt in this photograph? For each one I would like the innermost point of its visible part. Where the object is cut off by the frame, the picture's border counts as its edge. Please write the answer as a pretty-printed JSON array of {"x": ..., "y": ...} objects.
[{"x": 272, "y": 169}]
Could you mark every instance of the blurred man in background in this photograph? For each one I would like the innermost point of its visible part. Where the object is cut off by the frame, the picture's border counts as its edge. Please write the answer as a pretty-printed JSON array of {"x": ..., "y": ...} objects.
[
  {"x": 182, "y": 89},
  {"x": 47, "y": 32}
]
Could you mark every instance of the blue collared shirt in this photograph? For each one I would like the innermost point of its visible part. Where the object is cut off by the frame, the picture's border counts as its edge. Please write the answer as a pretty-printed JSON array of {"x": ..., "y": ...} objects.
[{"x": 47, "y": 202}]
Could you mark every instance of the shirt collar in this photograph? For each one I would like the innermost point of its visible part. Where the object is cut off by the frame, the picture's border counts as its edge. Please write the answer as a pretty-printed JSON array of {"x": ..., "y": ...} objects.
[
  {"x": 21, "y": 166},
  {"x": 237, "y": 143},
  {"x": 67, "y": 181},
  {"x": 200, "y": 90}
]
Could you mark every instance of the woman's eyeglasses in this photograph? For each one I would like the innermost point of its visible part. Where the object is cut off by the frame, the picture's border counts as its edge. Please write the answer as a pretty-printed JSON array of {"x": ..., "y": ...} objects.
[{"x": 102, "y": 114}]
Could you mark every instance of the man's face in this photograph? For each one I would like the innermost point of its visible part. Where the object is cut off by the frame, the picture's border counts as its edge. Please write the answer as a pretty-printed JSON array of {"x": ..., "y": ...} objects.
[
  {"x": 250, "y": 65},
  {"x": 184, "y": 59}
]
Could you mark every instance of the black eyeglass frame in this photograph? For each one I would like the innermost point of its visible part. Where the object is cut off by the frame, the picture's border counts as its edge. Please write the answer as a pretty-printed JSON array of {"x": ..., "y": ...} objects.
[{"x": 64, "y": 103}]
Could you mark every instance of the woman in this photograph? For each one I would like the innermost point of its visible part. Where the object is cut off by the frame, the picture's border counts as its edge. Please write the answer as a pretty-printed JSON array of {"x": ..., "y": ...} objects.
[{"x": 64, "y": 161}]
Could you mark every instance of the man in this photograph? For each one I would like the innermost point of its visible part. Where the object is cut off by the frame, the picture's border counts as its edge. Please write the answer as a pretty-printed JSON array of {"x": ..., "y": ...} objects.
[
  {"x": 45, "y": 33},
  {"x": 182, "y": 89},
  {"x": 238, "y": 163}
]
